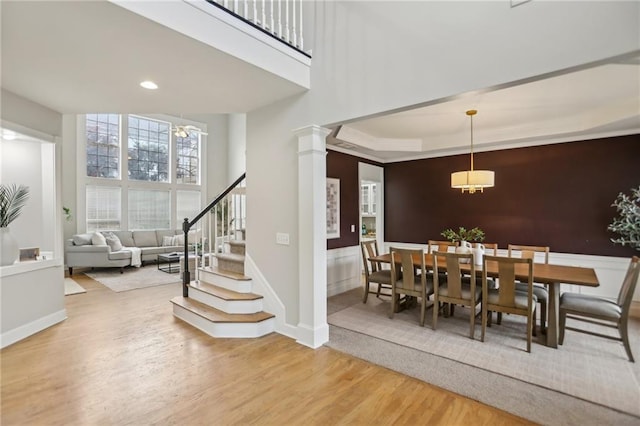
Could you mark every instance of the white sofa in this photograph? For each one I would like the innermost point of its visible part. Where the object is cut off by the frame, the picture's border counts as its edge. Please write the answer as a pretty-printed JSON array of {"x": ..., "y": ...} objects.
[{"x": 81, "y": 252}]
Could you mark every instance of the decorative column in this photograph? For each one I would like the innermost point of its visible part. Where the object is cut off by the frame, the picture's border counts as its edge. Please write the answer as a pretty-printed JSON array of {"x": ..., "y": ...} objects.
[{"x": 313, "y": 330}]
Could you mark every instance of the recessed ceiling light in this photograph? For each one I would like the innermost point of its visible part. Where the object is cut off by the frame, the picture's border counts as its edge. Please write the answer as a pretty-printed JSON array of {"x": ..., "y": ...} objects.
[{"x": 148, "y": 84}]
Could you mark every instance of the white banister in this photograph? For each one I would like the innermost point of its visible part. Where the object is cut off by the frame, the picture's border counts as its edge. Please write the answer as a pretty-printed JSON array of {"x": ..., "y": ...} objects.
[
  {"x": 293, "y": 23},
  {"x": 286, "y": 22},
  {"x": 300, "y": 44}
]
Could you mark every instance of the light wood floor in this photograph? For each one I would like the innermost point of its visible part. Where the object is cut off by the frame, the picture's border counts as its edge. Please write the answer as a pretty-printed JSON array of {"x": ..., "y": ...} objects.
[{"x": 122, "y": 358}]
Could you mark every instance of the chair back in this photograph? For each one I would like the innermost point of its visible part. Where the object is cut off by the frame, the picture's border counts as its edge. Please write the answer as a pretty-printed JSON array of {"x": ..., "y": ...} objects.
[
  {"x": 507, "y": 277},
  {"x": 629, "y": 285},
  {"x": 454, "y": 272},
  {"x": 490, "y": 249},
  {"x": 369, "y": 249},
  {"x": 435, "y": 245},
  {"x": 404, "y": 265},
  {"x": 529, "y": 252}
]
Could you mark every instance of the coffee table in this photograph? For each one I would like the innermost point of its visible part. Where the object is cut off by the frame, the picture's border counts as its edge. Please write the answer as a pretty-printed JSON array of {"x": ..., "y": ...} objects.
[{"x": 171, "y": 262}]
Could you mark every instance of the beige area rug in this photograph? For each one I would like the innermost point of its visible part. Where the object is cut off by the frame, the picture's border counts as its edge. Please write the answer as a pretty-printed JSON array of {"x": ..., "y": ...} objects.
[
  {"x": 72, "y": 287},
  {"x": 586, "y": 367},
  {"x": 132, "y": 278}
]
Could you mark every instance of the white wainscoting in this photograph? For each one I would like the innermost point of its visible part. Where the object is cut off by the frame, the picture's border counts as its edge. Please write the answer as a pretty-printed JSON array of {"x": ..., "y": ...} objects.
[
  {"x": 343, "y": 270},
  {"x": 610, "y": 270}
]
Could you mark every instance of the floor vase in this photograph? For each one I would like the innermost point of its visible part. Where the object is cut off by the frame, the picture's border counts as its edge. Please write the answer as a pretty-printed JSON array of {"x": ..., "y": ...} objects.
[{"x": 9, "y": 251}]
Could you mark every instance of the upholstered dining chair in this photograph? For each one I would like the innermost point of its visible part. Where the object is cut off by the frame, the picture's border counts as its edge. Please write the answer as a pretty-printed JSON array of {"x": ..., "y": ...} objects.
[
  {"x": 435, "y": 245},
  {"x": 601, "y": 311},
  {"x": 405, "y": 280},
  {"x": 373, "y": 272},
  {"x": 505, "y": 298},
  {"x": 540, "y": 290},
  {"x": 452, "y": 290}
]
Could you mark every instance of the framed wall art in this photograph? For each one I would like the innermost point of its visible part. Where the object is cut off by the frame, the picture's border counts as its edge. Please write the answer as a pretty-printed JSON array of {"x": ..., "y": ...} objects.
[{"x": 333, "y": 208}]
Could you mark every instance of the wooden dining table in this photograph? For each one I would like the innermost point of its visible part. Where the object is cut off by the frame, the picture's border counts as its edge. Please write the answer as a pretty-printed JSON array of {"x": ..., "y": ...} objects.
[{"x": 549, "y": 274}]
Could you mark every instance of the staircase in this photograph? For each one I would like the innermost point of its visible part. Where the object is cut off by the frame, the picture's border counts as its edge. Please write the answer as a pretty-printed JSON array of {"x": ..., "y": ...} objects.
[{"x": 220, "y": 301}]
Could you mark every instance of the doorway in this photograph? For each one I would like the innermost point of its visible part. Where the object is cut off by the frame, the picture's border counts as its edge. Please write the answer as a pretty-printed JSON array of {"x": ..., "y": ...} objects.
[{"x": 371, "y": 203}]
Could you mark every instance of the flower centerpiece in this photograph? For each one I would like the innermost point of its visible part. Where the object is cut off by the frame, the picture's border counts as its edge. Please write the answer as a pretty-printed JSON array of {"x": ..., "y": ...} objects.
[
  {"x": 627, "y": 224},
  {"x": 463, "y": 234},
  {"x": 12, "y": 200}
]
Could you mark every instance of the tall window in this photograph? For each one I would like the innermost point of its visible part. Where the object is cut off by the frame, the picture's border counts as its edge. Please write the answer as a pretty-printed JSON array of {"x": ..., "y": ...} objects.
[
  {"x": 188, "y": 159},
  {"x": 148, "y": 149},
  {"x": 103, "y": 208},
  {"x": 103, "y": 145},
  {"x": 149, "y": 209},
  {"x": 156, "y": 187}
]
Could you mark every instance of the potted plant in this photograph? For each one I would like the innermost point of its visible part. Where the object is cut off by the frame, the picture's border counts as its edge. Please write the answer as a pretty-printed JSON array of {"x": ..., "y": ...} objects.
[
  {"x": 463, "y": 234},
  {"x": 627, "y": 224},
  {"x": 12, "y": 200}
]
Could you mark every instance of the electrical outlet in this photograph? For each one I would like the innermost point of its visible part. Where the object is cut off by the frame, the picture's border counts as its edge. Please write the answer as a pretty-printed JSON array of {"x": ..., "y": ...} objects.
[{"x": 282, "y": 238}]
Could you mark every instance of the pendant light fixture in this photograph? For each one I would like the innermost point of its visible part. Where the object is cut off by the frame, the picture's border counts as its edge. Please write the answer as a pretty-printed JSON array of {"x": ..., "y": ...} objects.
[{"x": 472, "y": 180}]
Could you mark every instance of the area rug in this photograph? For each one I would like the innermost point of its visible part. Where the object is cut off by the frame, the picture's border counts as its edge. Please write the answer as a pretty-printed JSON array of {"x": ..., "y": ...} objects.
[
  {"x": 72, "y": 287},
  {"x": 589, "y": 368},
  {"x": 132, "y": 278}
]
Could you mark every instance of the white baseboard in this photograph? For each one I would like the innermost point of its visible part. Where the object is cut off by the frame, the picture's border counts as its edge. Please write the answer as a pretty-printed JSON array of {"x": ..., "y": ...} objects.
[{"x": 12, "y": 336}]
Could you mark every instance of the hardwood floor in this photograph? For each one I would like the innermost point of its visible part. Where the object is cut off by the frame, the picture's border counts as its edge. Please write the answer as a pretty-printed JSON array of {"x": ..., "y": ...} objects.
[{"x": 122, "y": 358}]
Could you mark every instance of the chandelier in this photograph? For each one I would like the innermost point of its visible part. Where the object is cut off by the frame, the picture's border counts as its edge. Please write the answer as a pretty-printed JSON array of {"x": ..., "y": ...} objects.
[{"x": 472, "y": 180}]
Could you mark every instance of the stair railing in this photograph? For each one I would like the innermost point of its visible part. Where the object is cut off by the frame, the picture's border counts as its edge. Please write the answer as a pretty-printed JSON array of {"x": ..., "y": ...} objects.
[
  {"x": 281, "y": 19},
  {"x": 226, "y": 220}
]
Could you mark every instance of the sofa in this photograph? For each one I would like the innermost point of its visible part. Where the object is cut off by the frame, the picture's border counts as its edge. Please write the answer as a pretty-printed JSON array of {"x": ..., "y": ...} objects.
[{"x": 109, "y": 248}]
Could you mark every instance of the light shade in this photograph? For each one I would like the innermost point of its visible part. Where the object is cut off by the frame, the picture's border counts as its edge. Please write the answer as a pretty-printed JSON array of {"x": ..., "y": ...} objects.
[{"x": 472, "y": 180}]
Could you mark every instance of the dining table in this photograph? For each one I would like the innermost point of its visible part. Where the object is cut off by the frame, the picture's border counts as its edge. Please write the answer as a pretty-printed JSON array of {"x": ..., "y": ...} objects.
[{"x": 546, "y": 273}]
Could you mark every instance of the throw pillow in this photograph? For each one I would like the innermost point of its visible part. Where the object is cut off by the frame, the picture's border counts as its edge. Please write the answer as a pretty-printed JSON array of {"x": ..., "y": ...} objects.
[
  {"x": 113, "y": 241},
  {"x": 178, "y": 240},
  {"x": 97, "y": 239},
  {"x": 167, "y": 241}
]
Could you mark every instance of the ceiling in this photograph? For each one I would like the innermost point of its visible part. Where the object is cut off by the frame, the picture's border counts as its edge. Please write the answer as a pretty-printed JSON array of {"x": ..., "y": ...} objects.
[
  {"x": 602, "y": 100},
  {"x": 90, "y": 56}
]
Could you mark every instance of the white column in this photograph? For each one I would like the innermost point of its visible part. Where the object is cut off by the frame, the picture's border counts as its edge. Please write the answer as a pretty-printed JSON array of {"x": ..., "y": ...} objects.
[{"x": 313, "y": 330}]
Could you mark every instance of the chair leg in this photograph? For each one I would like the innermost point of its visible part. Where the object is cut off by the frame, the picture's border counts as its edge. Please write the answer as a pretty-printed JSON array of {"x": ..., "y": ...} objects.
[
  {"x": 366, "y": 292},
  {"x": 625, "y": 340},
  {"x": 436, "y": 302},
  {"x": 530, "y": 325},
  {"x": 484, "y": 322},
  {"x": 543, "y": 315},
  {"x": 499, "y": 321},
  {"x": 534, "y": 323},
  {"x": 473, "y": 322},
  {"x": 562, "y": 322},
  {"x": 379, "y": 287},
  {"x": 393, "y": 304},
  {"x": 422, "y": 310}
]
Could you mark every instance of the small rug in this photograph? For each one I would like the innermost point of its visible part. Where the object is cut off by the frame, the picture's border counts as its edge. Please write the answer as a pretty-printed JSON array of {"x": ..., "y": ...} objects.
[
  {"x": 132, "y": 278},
  {"x": 587, "y": 367},
  {"x": 72, "y": 287}
]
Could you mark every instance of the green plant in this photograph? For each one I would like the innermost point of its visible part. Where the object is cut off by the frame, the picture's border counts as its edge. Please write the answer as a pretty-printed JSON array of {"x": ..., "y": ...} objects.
[
  {"x": 463, "y": 234},
  {"x": 627, "y": 224},
  {"x": 67, "y": 214},
  {"x": 12, "y": 200}
]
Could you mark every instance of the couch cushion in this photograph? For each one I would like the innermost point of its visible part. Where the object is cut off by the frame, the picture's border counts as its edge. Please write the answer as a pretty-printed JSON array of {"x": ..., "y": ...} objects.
[
  {"x": 161, "y": 233},
  {"x": 97, "y": 239},
  {"x": 152, "y": 250},
  {"x": 167, "y": 240},
  {"x": 82, "y": 239},
  {"x": 126, "y": 238},
  {"x": 145, "y": 239},
  {"x": 120, "y": 255}
]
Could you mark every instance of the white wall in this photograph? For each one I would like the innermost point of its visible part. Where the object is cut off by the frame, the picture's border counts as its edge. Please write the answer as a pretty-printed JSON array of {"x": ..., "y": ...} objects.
[
  {"x": 237, "y": 154},
  {"x": 371, "y": 57},
  {"x": 23, "y": 112}
]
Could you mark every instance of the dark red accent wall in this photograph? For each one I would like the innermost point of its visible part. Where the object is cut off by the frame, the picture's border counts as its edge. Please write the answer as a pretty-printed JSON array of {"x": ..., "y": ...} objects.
[
  {"x": 345, "y": 167},
  {"x": 558, "y": 195}
]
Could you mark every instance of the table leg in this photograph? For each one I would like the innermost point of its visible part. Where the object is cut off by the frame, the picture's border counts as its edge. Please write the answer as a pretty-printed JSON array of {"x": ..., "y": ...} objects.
[{"x": 553, "y": 309}]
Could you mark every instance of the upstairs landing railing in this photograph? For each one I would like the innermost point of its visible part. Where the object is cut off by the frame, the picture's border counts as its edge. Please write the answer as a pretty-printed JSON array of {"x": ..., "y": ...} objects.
[
  {"x": 225, "y": 220},
  {"x": 281, "y": 19}
]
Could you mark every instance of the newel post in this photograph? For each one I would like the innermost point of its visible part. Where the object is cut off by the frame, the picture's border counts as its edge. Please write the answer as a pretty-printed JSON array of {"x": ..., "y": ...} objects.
[{"x": 313, "y": 330}]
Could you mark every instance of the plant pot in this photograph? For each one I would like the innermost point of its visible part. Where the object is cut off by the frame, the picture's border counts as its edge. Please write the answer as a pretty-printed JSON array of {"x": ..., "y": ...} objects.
[{"x": 9, "y": 251}]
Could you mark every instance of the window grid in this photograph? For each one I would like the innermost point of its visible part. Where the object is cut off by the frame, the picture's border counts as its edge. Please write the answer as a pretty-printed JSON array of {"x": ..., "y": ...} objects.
[
  {"x": 188, "y": 159},
  {"x": 103, "y": 145},
  {"x": 148, "y": 149}
]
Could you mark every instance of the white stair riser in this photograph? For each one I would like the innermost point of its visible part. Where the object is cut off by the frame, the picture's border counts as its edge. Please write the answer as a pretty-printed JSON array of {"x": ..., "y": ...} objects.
[
  {"x": 227, "y": 330},
  {"x": 224, "y": 282},
  {"x": 228, "y": 306}
]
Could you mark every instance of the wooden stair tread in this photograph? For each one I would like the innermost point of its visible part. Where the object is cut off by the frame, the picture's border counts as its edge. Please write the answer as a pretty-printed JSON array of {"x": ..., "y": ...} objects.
[
  {"x": 228, "y": 274},
  {"x": 223, "y": 293},
  {"x": 215, "y": 315}
]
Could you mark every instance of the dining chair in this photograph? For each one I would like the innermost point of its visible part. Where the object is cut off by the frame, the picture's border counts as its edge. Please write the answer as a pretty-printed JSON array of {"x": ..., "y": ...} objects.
[
  {"x": 600, "y": 311},
  {"x": 490, "y": 249},
  {"x": 405, "y": 280},
  {"x": 452, "y": 289},
  {"x": 505, "y": 298},
  {"x": 435, "y": 245},
  {"x": 373, "y": 272},
  {"x": 540, "y": 290}
]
